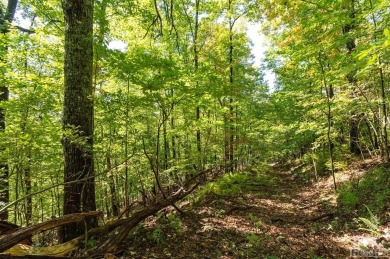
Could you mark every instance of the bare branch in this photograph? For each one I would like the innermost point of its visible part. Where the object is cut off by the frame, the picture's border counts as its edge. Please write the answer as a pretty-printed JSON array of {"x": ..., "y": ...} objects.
[{"x": 111, "y": 170}]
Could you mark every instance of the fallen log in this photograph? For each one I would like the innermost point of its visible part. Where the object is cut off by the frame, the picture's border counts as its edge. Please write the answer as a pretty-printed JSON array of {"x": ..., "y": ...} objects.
[
  {"x": 56, "y": 250},
  {"x": 122, "y": 231},
  {"x": 6, "y": 227},
  {"x": 8, "y": 256},
  {"x": 14, "y": 238},
  {"x": 122, "y": 226}
]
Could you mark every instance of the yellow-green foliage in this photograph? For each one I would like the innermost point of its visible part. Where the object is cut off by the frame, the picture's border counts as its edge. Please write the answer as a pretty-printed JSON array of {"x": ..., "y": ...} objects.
[
  {"x": 236, "y": 183},
  {"x": 372, "y": 190}
]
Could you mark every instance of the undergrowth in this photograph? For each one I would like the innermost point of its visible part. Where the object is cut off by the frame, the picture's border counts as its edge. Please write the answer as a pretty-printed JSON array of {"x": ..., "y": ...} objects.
[
  {"x": 373, "y": 191},
  {"x": 237, "y": 183}
]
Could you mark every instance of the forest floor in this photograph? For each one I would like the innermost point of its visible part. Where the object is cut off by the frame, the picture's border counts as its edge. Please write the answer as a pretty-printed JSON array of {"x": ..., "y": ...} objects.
[{"x": 277, "y": 215}]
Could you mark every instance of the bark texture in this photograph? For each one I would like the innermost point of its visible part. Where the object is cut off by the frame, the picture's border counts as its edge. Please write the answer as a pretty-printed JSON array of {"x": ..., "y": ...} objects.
[
  {"x": 5, "y": 16},
  {"x": 77, "y": 141}
]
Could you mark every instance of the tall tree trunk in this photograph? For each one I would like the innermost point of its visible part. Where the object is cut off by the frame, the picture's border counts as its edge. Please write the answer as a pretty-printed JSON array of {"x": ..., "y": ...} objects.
[
  {"x": 165, "y": 139},
  {"x": 329, "y": 96},
  {"x": 127, "y": 198},
  {"x": 351, "y": 46},
  {"x": 384, "y": 147},
  {"x": 78, "y": 114},
  {"x": 384, "y": 111},
  {"x": 196, "y": 65},
  {"x": 8, "y": 16},
  {"x": 231, "y": 100},
  {"x": 226, "y": 156},
  {"x": 173, "y": 138}
]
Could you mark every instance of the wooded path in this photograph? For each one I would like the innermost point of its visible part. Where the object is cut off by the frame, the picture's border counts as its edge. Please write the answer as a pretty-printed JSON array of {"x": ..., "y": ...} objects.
[{"x": 279, "y": 217}]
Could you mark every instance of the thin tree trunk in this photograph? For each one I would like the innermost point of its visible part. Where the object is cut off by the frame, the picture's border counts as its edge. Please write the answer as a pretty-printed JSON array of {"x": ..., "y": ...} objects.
[
  {"x": 369, "y": 132},
  {"x": 329, "y": 96},
  {"x": 196, "y": 65},
  {"x": 27, "y": 182},
  {"x": 385, "y": 148},
  {"x": 114, "y": 199},
  {"x": 384, "y": 111},
  {"x": 226, "y": 144},
  {"x": 127, "y": 201},
  {"x": 231, "y": 101},
  {"x": 165, "y": 139},
  {"x": 173, "y": 139}
]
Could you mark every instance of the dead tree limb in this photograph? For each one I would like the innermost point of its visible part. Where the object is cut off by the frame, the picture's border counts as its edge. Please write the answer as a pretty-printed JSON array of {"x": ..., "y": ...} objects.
[
  {"x": 108, "y": 171},
  {"x": 123, "y": 226},
  {"x": 136, "y": 218},
  {"x": 10, "y": 240}
]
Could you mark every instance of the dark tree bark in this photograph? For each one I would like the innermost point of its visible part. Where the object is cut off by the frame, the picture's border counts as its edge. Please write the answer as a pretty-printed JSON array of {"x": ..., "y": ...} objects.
[
  {"x": 5, "y": 17},
  {"x": 196, "y": 66},
  {"x": 231, "y": 83},
  {"x": 351, "y": 46},
  {"x": 114, "y": 199},
  {"x": 77, "y": 141},
  {"x": 8, "y": 241}
]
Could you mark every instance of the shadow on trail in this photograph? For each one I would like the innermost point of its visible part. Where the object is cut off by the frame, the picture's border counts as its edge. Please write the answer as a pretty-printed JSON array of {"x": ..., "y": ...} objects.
[{"x": 274, "y": 216}]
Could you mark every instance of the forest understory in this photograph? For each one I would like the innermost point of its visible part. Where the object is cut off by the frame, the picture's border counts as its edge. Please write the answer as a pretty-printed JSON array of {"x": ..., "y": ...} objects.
[
  {"x": 268, "y": 211},
  {"x": 194, "y": 129},
  {"x": 276, "y": 215}
]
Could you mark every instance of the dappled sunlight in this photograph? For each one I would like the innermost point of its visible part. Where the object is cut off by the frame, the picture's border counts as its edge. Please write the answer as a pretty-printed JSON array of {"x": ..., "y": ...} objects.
[
  {"x": 360, "y": 242},
  {"x": 285, "y": 221},
  {"x": 237, "y": 224}
]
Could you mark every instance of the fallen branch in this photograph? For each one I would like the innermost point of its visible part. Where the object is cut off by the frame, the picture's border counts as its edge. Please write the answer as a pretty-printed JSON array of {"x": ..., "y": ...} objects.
[
  {"x": 57, "y": 250},
  {"x": 7, "y": 256},
  {"x": 107, "y": 171},
  {"x": 7, "y": 227},
  {"x": 136, "y": 218},
  {"x": 123, "y": 226},
  {"x": 10, "y": 240},
  {"x": 327, "y": 215}
]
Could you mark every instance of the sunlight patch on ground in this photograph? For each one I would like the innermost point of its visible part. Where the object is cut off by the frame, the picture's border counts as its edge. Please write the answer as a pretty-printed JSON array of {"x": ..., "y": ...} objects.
[
  {"x": 361, "y": 243},
  {"x": 236, "y": 224}
]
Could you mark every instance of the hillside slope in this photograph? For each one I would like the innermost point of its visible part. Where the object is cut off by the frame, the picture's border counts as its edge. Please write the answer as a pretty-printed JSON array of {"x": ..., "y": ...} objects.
[{"x": 267, "y": 213}]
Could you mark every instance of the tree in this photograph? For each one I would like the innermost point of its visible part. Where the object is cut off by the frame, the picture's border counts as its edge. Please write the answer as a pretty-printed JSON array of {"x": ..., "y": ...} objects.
[
  {"x": 78, "y": 114},
  {"x": 5, "y": 17}
]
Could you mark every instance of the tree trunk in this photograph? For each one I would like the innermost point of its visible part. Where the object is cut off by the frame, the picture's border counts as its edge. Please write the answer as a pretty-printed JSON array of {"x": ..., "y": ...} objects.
[
  {"x": 127, "y": 198},
  {"x": 351, "y": 46},
  {"x": 8, "y": 16},
  {"x": 196, "y": 67},
  {"x": 384, "y": 147},
  {"x": 27, "y": 182},
  {"x": 114, "y": 199},
  {"x": 231, "y": 101},
  {"x": 77, "y": 141},
  {"x": 329, "y": 96},
  {"x": 165, "y": 139}
]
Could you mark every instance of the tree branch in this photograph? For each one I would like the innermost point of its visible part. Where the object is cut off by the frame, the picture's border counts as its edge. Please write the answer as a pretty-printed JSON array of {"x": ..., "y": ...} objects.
[{"x": 116, "y": 168}]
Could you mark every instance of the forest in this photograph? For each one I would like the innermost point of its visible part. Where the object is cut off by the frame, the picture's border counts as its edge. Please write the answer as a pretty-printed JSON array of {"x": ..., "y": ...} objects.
[{"x": 148, "y": 129}]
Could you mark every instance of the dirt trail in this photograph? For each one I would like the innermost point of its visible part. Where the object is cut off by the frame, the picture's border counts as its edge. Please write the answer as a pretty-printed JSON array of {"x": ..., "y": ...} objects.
[{"x": 284, "y": 218}]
